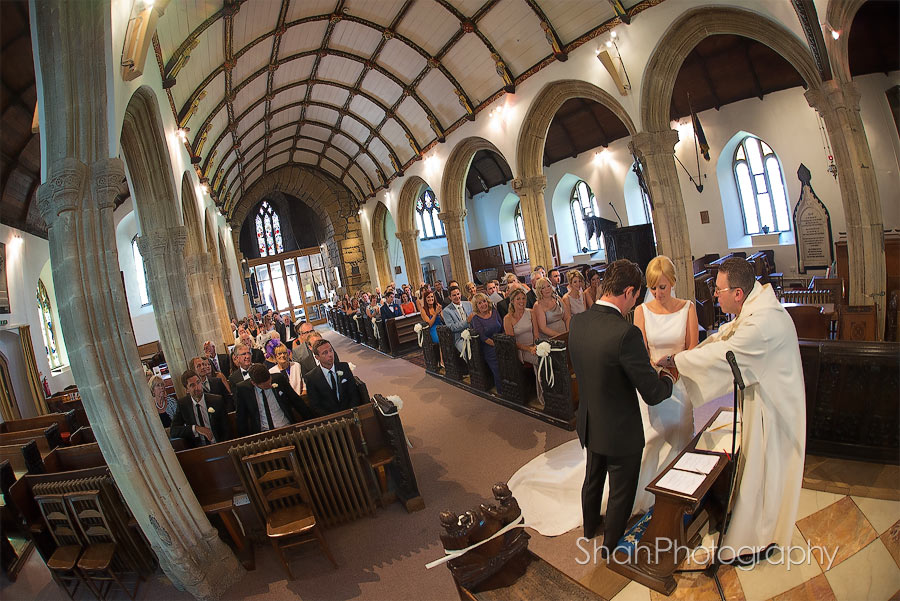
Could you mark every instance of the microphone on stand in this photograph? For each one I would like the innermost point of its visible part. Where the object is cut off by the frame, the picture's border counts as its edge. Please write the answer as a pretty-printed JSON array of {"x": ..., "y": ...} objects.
[
  {"x": 735, "y": 370},
  {"x": 616, "y": 212}
]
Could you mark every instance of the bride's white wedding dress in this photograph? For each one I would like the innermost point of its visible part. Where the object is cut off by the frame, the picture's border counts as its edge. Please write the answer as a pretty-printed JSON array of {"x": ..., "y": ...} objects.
[{"x": 548, "y": 488}]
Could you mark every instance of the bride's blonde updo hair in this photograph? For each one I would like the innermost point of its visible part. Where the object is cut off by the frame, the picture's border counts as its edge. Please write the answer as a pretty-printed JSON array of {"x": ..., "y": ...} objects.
[{"x": 660, "y": 266}]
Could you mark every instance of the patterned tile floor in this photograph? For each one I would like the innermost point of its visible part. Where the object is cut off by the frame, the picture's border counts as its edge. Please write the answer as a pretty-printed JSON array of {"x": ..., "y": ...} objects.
[{"x": 861, "y": 535}]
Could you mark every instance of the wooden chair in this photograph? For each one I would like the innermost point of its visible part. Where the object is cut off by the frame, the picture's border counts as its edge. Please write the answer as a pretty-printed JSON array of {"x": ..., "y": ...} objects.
[
  {"x": 286, "y": 505},
  {"x": 99, "y": 563},
  {"x": 835, "y": 286},
  {"x": 810, "y": 322},
  {"x": 856, "y": 322},
  {"x": 63, "y": 563}
]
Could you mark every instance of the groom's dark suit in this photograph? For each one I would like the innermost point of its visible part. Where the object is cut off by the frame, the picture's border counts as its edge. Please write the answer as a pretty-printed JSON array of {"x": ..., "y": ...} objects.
[{"x": 610, "y": 362}]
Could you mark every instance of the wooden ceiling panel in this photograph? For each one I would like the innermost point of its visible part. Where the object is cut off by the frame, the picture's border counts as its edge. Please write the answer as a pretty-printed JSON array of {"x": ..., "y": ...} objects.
[
  {"x": 277, "y": 160},
  {"x": 578, "y": 126},
  {"x": 874, "y": 44},
  {"x": 401, "y": 60},
  {"x": 337, "y": 157},
  {"x": 354, "y": 129},
  {"x": 345, "y": 143},
  {"x": 251, "y": 136},
  {"x": 329, "y": 94},
  {"x": 245, "y": 122},
  {"x": 294, "y": 71},
  {"x": 381, "y": 87},
  {"x": 377, "y": 11},
  {"x": 416, "y": 119},
  {"x": 437, "y": 91},
  {"x": 254, "y": 20},
  {"x": 510, "y": 26},
  {"x": 322, "y": 114},
  {"x": 366, "y": 109},
  {"x": 487, "y": 169},
  {"x": 378, "y": 150},
  {"x": 285, "y": 116},
  {"x": 355, "y": 38},
  {"x": 252, "y": 61},
  {"x": 396, "y": 137},
  {"x": 302, "y": 156},
  {"x": 204, "y": 59},
  {"x": 309, "y": 8},
  {"x": 569, "y": 17},
  {"x": 471, "y": 63},
  {"x": 467, "y": 7},
  {"x": 429, "y": 25},
  {"x": 368, "y": 166},
  {"x": 281, "y": 145},
  {"x": 302, "y": 38},
  {"x": 331, "y": 167},
  {"x": 248, "y": 95},
  {"x": 337, "y": 68},
  {"x": 314, "y": 131}
]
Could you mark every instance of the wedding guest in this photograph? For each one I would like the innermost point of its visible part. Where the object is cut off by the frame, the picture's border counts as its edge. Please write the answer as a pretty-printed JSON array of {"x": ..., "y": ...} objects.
[
  {"x": 456, "y": 316},
  {"x": 486, "y": 322},
  {"x": 493, "y": 292},
  {"x": 592, "y": 293},
  {"x": 291, "y": 369},
  {"x": 440, "y": 294},
  {"x": 166, "y": 404},
  {"x": 390, "y": 309},
  {"x": 575, "y": 300},
  {"x": 549, "y": 313},
  {"x": 519, "y": 324},
  {"x": 556, "y": 279},
  {"x": 406, "y": 305},
  {"x": 431, "y": 314},
  {"x": 471, "y": 289},
  {"x": 212, "y": 383},
  {"x": 531, "y": 295}
]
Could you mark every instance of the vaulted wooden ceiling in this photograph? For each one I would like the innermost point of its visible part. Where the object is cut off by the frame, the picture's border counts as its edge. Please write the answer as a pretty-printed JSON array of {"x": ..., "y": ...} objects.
[{"x": 488, "y": 169}]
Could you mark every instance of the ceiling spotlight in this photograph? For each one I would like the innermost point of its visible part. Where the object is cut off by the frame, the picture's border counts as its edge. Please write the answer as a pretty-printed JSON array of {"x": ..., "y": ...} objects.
[
  {"x": 613, "y": 34},
  {"x": 205, "y": 188},
  {"x": 181, "y": 134},
  {"x": 835, "y": 34},
  {"x": 608, "y": 45}
]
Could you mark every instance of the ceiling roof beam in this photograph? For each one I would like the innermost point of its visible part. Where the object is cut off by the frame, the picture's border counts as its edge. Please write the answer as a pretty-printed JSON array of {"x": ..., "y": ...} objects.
[
  {"x": 556, "y": 45},
  {"x": 270, "y": 79},
  {"x": 590, "y": 109},
  {"x": 704, "y": 71},
  {"x": 754, "y": 77}
]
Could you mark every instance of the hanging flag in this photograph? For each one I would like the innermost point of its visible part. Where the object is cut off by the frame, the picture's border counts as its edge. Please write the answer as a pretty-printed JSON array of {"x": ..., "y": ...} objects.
[{"x": 701, "y": 137}]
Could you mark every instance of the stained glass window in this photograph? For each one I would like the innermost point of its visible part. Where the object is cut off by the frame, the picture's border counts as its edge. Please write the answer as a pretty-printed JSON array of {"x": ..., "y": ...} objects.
[
  {"x": 427, "y": 221},
  {"x": 757, "y": 173},
  {"x": 268, "y": 231},
  {"x": 48, "y": 329},
  {"x": 584, "y": 204}
]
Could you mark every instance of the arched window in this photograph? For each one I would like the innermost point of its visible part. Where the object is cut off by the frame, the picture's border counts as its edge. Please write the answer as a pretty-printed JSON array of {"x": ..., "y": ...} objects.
[
  {"x": 139, "y": 272},
  {"x": 757, "y": 173},
  {"x": 520, "y": 223},
  {"x": 427, "y": 222},
  {"x": 584, "y": 204},
  {"x": 48, "y": 329},
  {"x": 268, "y": 231}
]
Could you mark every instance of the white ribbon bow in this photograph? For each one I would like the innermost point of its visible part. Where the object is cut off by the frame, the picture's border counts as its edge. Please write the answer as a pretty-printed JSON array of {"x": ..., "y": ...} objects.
[
  {"x": 517, "y": 523},
  {"x": 543, "y": 350},
  {"x": 418, "y": 328},
  {"x": 466, "y": 337},
  {"x": 375, "y": 328}
]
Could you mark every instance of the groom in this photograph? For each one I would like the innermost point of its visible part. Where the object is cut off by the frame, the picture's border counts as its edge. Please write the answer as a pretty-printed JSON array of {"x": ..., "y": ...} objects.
[{"x": 610, "y": 362}]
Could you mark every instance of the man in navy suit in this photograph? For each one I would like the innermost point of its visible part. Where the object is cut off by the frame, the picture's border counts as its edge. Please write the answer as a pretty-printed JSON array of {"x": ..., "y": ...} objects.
[
  {"x": 266, "y": 401},
  {"x": 389, "y": 309},
  {"x": 331, "y": 387},
  {"x": 456, "y": 315},
  {"x": 201, "y": 418}
]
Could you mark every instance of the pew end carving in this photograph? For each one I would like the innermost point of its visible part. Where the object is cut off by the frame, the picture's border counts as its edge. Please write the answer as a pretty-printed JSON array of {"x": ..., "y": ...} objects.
[{"x": 454, "y": 366}]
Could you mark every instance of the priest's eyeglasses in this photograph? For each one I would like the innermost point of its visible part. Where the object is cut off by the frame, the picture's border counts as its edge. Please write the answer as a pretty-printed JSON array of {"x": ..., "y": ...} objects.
[{"x": 721, "y": 290}]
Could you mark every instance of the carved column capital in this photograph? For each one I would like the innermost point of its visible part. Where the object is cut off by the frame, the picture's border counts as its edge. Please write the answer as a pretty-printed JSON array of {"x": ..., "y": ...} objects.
[
  {"x": 529, "y": 185},
  {"x": 407, "y": 238},
  {"x": 107, "y": 181},
  {"x": 450, "y": 217},
  {"x": 379, "y": 245},
  {"x": 63, "y": 190},
  {"x": 157, "y": 242},
  {"x": 649, "y": 144},
  {"x": 833, "y": 95}
]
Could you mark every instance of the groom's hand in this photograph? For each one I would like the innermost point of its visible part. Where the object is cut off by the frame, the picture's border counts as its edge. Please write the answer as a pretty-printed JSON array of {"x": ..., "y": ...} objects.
[
  {"x": 671, "y": 372},
  {"x": 667, "y": 362}
]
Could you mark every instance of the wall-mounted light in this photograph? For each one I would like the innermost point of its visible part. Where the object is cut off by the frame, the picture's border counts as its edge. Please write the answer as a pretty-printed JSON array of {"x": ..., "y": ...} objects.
[
  {"x": 604, "y": 57},
  {"x": 204, "y": 188},
  {"x": 600, "y": 156},
  {"x": 182, "y": 134},
  {"x": 835, "y": 34}
]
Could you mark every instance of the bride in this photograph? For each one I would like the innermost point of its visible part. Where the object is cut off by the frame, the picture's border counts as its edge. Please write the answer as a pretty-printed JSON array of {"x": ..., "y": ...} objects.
[{"x": 548, "y": 488}]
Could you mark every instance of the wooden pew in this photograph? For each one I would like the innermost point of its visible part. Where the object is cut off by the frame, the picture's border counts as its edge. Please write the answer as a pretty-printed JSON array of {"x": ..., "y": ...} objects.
[
  {"x": 401, "y": 334},
  {"x": 65, "y": 401},
  {"x": 431, "y": 351},
  {"x": 384, "y": 344},
  {"x": 454, "y": 366},
  {"x": 480, "y": 376},
  {"x": 369, "y": 332},
  {"x": 24, "y": 458},
  {"x": 67, "y": 422},
  {"x": 47, "y": 438},
  {"x": 518, "y": 383},
  {"x": 84, "y": 435},
  {"x": 561, "y": 399}
]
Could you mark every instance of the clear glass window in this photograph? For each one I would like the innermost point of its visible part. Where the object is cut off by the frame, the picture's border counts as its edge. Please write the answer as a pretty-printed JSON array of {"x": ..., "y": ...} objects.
[{"x": 760, "y": 185}]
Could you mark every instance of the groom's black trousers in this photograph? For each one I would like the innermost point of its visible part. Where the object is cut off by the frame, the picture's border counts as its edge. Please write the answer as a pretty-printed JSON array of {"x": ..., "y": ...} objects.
[{"x": 623, "y": 471}]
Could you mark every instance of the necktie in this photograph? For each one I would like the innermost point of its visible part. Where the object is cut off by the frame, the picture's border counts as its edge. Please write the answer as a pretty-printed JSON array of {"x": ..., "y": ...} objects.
[
  {"x": 334, "y": 384},
  {"x": 461, "y": 311},
  {"x": 265, "y": 400},
  {"x": 215, "y": 361},
  {"x": 206, "y": 386},
  {"x": 200, "y": 421}
]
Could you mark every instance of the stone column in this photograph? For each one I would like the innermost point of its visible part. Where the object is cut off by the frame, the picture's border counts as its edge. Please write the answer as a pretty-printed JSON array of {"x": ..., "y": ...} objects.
[
  {"x": 454, "y": 227},
  {"x": 225, "y": 282},
  {"x": 537, "y": 235},
  {"x": 213, "y": 271},
  {"x": 409, "y": 242},
  {"x": 167, "y": 285},
  {"x": 383, "y": 266},
  {"x": 838, "y": 104},
  {"x": 203, "y": 309},
  {"x": 656, "y": 149}
]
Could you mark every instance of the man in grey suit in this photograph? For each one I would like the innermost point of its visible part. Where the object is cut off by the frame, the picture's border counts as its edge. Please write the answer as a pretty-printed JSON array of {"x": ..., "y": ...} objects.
[
  {"x": 611, "y": 361},
  {"x": 301, "y": 351},
  {"x": 456, "y": 315}
]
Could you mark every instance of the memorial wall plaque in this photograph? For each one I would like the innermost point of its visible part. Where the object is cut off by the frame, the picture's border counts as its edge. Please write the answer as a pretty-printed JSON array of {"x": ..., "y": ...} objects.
[{"x": 812, "y": 227}]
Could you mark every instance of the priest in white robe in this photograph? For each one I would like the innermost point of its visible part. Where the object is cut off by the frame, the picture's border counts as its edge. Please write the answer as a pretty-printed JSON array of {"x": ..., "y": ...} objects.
[{"x": 764, "y": 342}]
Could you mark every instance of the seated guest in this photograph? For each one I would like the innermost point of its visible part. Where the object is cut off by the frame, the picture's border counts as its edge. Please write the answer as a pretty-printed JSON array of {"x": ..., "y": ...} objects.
[
  {"x": 201, "y": 418},
  {"x": 373, "y": 309},
  {"x": 556, "y": 280},
  {"x": 531, "y": 296},
  {"x": 216, "y": 384},
  {"x": 249, "y": 340},
  {"x": 242, "y": 362},
  {"x": 486, "y": 322},
  {"x": 267, "y": 401},
  {"x": 270, "y": 352},
  {"x": 512, "y": 284},
  {"x": 406, "y": 305},
  {"x": 456, "y": 316},
  {"x": 252, "y": 328},
  {"x": 285, "y": 366},
  {"x": 471, "y": 290},
  {"x": 220, "y": 361},
  {"x": 332, "y": 387},
  {"x": 519, "y": 324},
  {"x": 440, "y": 295},
  {"x": 548, "y": 312},
  {"x": 493, "y": 292},
  {"x": 574, "y": 299},
  {"x": 431, "y": 314},
  {"x": 301, "y": 351},
  {"x": 166, "y": 404},
  {"x": 592, "y": 292},
  {"x": 389, "y": 309}
]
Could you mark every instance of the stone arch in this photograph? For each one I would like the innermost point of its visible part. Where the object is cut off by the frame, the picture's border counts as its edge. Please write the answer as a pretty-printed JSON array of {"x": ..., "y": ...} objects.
[
  {"x": 406, "y": 225},
  {"x": 163, "y": 236},
  {"x": 839, "y": 15},
  {"x": 697, "y": 24},
  {"x": 453, "y": 201},
  {"x": 331, "y": 201},
  {"x": 380, "y": 244}
]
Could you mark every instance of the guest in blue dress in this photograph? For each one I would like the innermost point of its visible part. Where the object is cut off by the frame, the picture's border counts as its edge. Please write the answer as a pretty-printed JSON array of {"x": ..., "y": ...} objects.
[
  {"x": 431, "y": 314},
  {"x": 486, "y": 322}
]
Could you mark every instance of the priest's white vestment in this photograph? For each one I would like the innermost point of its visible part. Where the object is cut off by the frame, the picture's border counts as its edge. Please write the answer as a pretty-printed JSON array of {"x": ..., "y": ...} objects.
[{"x": 764, "y": 342}]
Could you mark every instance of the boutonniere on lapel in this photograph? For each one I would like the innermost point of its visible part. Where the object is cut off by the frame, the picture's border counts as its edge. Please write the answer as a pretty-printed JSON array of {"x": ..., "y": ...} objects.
[
  {"x": 210, "y": 410},
  {"x": 275, "y": 386},
  {"x": 340, "y": 373}
]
